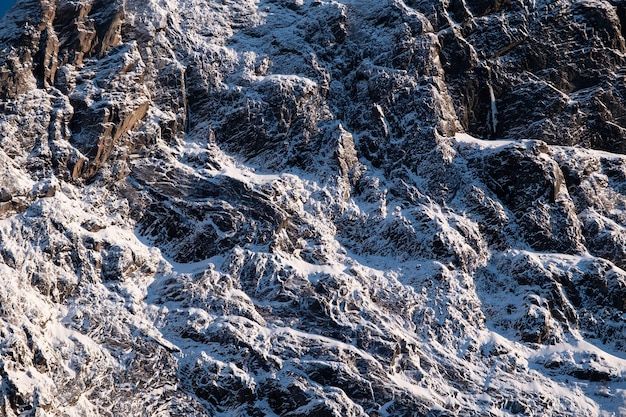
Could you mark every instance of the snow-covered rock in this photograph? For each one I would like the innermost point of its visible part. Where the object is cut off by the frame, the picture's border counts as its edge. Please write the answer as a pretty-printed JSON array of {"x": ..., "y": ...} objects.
[{"x": 312, "y": 208}]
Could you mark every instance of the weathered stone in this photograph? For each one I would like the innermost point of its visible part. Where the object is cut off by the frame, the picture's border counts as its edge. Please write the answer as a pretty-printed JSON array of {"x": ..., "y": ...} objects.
[{"x": 243, "y": 208}]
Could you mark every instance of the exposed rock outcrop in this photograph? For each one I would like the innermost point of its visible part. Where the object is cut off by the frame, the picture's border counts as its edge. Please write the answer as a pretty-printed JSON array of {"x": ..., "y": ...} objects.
[{"x": 276, "y": 208}]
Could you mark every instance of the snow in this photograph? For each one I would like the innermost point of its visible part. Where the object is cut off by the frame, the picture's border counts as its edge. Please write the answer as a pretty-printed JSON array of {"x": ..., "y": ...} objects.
[
  {"x": 494, "y": 109},
  {"x": 246, "y": 176},
  {"x": 392, "y": 314},
  {"x": 464, "y": 138},
  {"x": 609, "y": 396}
]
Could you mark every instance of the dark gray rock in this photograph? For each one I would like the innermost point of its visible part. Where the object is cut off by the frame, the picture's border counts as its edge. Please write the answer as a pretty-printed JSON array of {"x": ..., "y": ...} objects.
[{"x": 244, "y": 208}]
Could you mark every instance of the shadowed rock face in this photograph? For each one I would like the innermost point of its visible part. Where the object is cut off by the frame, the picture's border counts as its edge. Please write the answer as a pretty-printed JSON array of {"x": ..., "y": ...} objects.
[
  {"x": 275, "y": 208},
  {"x": 552, "y": 71}
]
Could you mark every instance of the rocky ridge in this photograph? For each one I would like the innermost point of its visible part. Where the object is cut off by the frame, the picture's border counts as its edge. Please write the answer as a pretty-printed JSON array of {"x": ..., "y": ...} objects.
[{"x": 282, "y": 208}]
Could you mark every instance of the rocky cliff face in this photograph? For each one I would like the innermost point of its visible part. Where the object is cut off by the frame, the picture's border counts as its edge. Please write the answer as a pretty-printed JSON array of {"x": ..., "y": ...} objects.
[{"x": 313, "y": 208}]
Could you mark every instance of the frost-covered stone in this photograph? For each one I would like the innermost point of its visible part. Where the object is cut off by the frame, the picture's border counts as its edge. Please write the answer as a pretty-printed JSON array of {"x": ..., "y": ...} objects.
[{"x": 276, "y": 208}]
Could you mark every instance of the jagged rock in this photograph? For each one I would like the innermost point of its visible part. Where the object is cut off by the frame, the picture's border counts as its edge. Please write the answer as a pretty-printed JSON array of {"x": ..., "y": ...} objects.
[
  {"x": 275, "y": 208},
  {"x": 532, "y": 187}
]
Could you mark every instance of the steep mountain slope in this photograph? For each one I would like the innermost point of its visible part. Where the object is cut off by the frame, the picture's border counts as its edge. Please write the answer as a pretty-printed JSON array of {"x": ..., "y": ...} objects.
[{"x": 292, "y": 208}]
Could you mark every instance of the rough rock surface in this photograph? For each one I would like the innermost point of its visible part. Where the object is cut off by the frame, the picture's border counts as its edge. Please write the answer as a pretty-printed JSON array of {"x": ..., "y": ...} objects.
[{"x": 313, "y": 208}]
